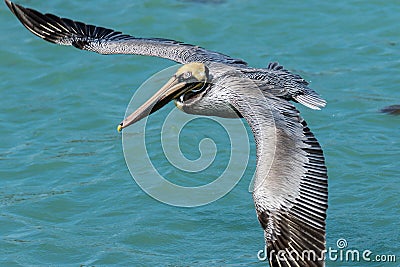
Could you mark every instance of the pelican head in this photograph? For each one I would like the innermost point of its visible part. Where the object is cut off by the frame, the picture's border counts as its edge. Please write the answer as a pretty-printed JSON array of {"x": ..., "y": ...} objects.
[{"x": 189, "y": 81}]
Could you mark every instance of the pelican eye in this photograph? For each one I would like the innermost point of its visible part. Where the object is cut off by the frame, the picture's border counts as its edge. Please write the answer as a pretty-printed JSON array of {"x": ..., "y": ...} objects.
[{"x": 186, "y": 75}]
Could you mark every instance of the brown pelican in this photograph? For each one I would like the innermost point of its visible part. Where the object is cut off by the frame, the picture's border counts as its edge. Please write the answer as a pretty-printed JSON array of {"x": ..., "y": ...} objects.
[{"x": 290, "y": 186}]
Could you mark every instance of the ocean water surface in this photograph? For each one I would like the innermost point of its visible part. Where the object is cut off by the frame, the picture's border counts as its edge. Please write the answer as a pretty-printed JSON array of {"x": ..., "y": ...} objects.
[{"x": 67, "y": 197}]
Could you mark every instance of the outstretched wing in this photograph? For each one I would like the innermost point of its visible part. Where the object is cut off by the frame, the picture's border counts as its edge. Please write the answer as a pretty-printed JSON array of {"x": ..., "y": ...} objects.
[
  {"x": 290, "y": 188},
  {"x": 64, "y": 31}
]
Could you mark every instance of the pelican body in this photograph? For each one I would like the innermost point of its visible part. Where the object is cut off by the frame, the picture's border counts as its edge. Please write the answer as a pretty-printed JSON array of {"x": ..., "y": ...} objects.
[{"x": 290, "y": 186}]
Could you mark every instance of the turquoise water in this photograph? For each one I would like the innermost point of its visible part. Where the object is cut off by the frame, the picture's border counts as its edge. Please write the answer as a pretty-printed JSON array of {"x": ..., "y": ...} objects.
[{"x": 67, "y": 197}]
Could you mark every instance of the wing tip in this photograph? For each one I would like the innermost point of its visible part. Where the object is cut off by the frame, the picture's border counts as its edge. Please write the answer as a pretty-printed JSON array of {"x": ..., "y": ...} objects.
[{"x": 11, "y": 6}]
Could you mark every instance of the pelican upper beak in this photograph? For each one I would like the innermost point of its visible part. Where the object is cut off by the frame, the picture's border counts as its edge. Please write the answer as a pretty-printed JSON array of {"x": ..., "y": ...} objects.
[{"x": 171, "y": 90}]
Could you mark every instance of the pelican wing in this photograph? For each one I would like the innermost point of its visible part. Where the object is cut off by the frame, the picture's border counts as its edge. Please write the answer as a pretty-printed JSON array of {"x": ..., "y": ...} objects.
[
  {"x": 290, "y": 187},
  {"x": 64, "y": 31}
]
